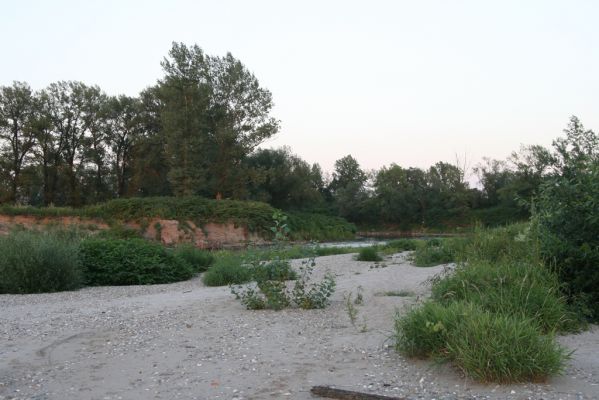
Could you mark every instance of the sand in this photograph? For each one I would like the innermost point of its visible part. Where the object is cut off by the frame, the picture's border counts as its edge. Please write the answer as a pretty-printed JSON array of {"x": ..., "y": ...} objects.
[{"x": 188, "y": 341}]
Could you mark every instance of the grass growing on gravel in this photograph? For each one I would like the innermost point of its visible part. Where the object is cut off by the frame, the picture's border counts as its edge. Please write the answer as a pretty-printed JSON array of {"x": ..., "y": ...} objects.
[
  {"x": 491, "y": 347},
  {"x": 38, "y": 262},
  {"x": 369, "y": 254},
  {"x": 495, "y": 315}
]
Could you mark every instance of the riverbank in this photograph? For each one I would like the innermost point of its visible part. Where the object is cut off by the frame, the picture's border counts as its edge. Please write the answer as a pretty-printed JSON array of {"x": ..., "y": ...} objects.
[{"x": 188, "y": 341}]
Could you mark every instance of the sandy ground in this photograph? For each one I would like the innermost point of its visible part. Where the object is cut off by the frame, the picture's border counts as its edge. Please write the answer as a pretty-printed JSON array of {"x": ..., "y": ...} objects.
[{"x": 187, "y": 341}]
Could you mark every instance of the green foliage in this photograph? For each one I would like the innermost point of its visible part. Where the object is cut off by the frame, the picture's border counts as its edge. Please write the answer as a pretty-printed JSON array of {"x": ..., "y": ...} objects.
[
  {"x": 520, "y": 289},
  {"x": 199, "y": 260},
  {"x": 308, "y": 226},
  {"x": 495, "y": 314},
  {"x": 228, "y": 269},
  {"x": 369, "y": 254},
  {"x": 515, "y": 242},
  {"x": 568, "y": 225},
  {"x": 487, "y": 346},
  {"x": 119, "y": 231},
  {"x": 37, "y": 262},
  {"x": 399, "y": 245},
  {"x": 434, "y": 252},
  {"x": 499, "y": 348},
  {"x": 131, "y": 262}
]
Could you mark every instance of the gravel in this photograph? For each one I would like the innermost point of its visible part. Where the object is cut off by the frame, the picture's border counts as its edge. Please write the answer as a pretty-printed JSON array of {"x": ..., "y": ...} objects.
[{"x": 188, "y": 341}]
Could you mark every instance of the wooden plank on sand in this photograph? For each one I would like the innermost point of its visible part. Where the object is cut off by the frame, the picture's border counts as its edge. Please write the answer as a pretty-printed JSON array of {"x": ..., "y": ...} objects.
[{"x": 340, "y": 394}]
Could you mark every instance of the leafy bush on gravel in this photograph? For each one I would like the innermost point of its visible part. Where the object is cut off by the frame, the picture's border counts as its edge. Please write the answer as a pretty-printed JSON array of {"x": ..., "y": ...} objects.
[
  {"x": 37, "y": 262},
  {"x": 131, "y": 262}
]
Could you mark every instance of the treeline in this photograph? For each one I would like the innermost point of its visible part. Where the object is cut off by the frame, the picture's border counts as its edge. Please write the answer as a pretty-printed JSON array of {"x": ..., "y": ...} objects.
[{"x": 196, "y": 132}]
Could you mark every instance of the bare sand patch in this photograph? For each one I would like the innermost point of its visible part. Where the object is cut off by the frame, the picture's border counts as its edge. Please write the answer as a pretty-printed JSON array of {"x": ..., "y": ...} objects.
[{"x": 188, "y": 341}]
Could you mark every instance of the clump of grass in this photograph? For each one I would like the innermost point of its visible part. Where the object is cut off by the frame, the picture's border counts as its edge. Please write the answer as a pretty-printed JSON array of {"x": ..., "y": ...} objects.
[
  {"x": 37, "y": 262},
  {"x": 496, "y": 314},
  {"x": 369, "y": 254},
  {"x": 527, "y": 290},
  {"x": 486, "y": 346},
  {"x": 494, "y": 347},
  {"x": 228, "y": 269},
  {"x": 199, "y": 260},
  {"x": 433, "y": 252}
]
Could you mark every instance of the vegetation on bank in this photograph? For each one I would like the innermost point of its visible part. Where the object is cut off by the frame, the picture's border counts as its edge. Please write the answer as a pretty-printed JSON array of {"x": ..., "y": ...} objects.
[
  {"x": 496, "y": 314},
  {"x": 256, "y": 216},
  {"x": 58, "y": 260}
]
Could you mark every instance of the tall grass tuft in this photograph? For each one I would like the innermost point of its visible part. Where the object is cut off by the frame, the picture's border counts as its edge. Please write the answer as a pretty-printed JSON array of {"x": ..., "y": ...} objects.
[
  {"x": 37, "y": 262},
  {"x": 520, "y": 289},
  {"x": 199, "y": 260},
  {"x": 369, "y": 254}
]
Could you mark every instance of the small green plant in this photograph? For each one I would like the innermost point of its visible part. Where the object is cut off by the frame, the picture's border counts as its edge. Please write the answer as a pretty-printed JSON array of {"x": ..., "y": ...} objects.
[
  {"x": 270, "y": 289},
  {"x": 350, "y": 307},
  {"x": 369, "y": 254}
]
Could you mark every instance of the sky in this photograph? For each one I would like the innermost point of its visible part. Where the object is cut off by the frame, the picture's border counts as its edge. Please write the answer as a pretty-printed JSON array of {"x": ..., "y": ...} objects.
[{"x": 405, "y": 82}]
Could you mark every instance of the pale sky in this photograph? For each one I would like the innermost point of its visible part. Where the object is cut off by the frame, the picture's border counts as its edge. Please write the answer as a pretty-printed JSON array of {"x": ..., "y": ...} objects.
[{"x": 409, "y": 82}]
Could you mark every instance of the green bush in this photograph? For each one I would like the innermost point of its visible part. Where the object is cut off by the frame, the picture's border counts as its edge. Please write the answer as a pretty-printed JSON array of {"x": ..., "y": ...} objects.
[
  {"x": 228, "y": 269},
  {"x": 274, "y": 270},
  {"x": 131, "y": 262},
  {"x": 568, "y": 223},
  {"x": 486, "y": 346},
  {"x": 369, "y": 254},
  {"x": 37, "y": 262},
  {"x": 310, "y": 226},
  {"x": 199, "y": 260},
  {"x": 521, "y": 289}
]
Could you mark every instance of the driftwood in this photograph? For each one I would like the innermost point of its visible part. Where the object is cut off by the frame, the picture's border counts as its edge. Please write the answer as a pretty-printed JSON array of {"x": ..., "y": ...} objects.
[{"x": 340, "y": 394}]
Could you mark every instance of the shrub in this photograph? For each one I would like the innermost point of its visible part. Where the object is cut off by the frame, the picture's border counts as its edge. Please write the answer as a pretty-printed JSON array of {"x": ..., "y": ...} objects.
[
  {"x": 521, "y": 289},
  {"x": 199, "y": 260},
  {"x": 37, "y": 262},
  {"x": 275, "y": 270},
  {"x": 486, "y": 346},
  {"x": 131, "y": 262},
  {"x": 368, "y": 254},
  {"x": 227, "y": 270},
  {"x": 568, "y": 223}
]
